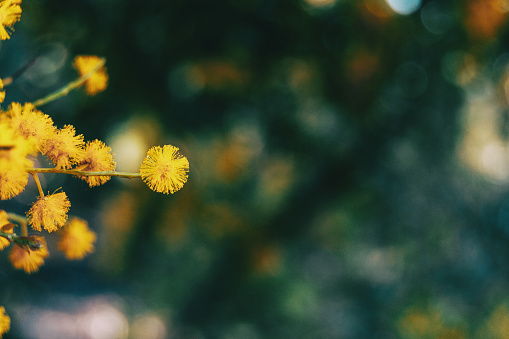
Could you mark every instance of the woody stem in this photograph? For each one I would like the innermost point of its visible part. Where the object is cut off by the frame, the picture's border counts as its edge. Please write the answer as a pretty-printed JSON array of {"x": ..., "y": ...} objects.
[{"x": 84, "y": 173}]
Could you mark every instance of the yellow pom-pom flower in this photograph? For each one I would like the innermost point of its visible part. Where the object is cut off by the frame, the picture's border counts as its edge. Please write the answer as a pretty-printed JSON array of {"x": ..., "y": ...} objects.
[
  {"x": 99, "y": 80},
  {"x": 5, "y": 322},
  {"x": 164, "y": 169},
  {"x": 2, "y": 92},
  {"x": 64, "y": 148},
  {"x": 31, "y": 123},
  {"x": 13, "y": 160},
  {"x": 49, "y": 212},
  {"x": 77, "y": 240},
  {"x": 10, "y": 13},
  {"x": 27, "y": 259},
  {"x": 97, "y": 158}
]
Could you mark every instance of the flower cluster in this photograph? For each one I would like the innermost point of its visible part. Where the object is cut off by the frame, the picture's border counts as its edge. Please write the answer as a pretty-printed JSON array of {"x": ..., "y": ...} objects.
[{"x": 27, "y": 133}]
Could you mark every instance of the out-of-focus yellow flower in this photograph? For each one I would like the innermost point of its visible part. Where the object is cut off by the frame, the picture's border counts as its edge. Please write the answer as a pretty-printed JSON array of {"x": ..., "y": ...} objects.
[
  {"x": 164, "y": 169},
  {"x": 27, "y": 259},
  {"x": 77, "y": 240},
  {"x": 13, "y": 160},
  {"x": 5, "y": 322},
  {"x": 64, "y": 148},
  {"x": 97, "y": 158},
  {"x": 99, "y": 80},
  {"x": 3, "y": 221},
  {"x": 49, "y": 212},
  {"x": 2, "y": 92},
  {"x": 31, "y": 123},
  {"x": 10, "y": 13}
]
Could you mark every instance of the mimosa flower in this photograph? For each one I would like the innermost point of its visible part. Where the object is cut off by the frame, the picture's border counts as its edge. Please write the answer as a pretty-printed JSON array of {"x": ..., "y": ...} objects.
[
  {"x": 12, "y": 183},
  {"x": 10, "y": 13},
  {"x": 5, "y": 322},
  {"x": 31, "y": 123},
  {"x": 64, "y": 148},
  {"x": 97, "y": 158},
  {"x": 49, "y": 212},
  {"x": 2, "y": 92},
  {"x": 164, "y": 169},
  {"x": 13, "y": 160},
  {"x": 77, "y": 240},
  {"x": 99, "y": 80},
  {"x": 4, "y": 220},
  {"x": 27, "y": 259}
]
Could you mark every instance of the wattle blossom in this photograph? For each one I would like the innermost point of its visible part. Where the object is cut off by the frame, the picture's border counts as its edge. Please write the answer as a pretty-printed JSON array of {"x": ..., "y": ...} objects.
[
  {"x": 49, "y": 212},
  {"x": 77, "y": 239},
  {"x": 164, "y": 169},
  {"x": 99, "y": 80},
  {"x": 64, "y": 147},
  {"x": 10, "y": 13},
  {"x": 97, "y": 158},
  {"x": 27, "y": 259}
]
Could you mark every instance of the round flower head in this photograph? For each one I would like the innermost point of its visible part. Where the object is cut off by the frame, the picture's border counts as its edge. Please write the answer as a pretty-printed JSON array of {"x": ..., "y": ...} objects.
[
  {"x": 27, "y": 259},
  {"x": 64, "y": 148},
  {"x": 2, "y": 92},
  {"x": 49, "y": 212},
  {"x": 99, "y": 80},
  {"x": 10, "y": 12},
  {"x": 164, "y": 169},
  {"x": 5, "y": 322},
  {"x": 13, "y": 160},
  {"x": 31, "y": 123},
  {"x": 77, "y": 240},
  {"x": 97, "y": 158}
]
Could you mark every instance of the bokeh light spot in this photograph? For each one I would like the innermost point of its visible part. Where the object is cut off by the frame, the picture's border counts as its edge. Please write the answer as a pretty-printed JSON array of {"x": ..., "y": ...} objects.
[
  {"x": 320, "y": 3},
  {"x": 404, "y": 7},
  {"x": 149, "y": 327},
  {"x": 434, "y": 18},
  {"x": 106, "y": 322}
]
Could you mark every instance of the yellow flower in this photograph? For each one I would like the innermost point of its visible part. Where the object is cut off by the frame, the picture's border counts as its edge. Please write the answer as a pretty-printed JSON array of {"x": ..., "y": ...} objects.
[
  {"x": 99, "y": 80},
  {"x": 64, "y": 148},
  {"x": 31, "y": 123},
  {"x": 10, "y": 13},
  {"x": 2, "y": 93},
  {"x": 27, "y": 259},
  {"x": 77, "y": 240},
  {"x": 5, "y": 322},
  {"x": 3, "y": 221},
  {"x": 97, "y": 158},
  {"x": 49, "y": 212},
  {"x": 13, "y": 160},
  {"x": 164, "y": 169}
]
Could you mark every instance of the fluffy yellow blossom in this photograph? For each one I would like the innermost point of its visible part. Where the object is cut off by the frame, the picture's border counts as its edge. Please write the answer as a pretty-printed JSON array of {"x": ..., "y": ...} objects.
[
  {"x": 4, "y": 220},
  {"x": 49, "y": 212},
  {"x": 97, "y": 158},
  {"x": 14, "y": 163},
  {"x": 31, "y": 123},
  {"x": 2, "y": 92},
  {"x": 10, "y": 13},
  {"x": 27, "y": 259},
  {"x": 64, "y": 148},
  {"x": 99, "y": 80},
  {"x": 5, "y": 322},
  {"x": 77, "y": 240},
  {"x": 164, "y": 169}
]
